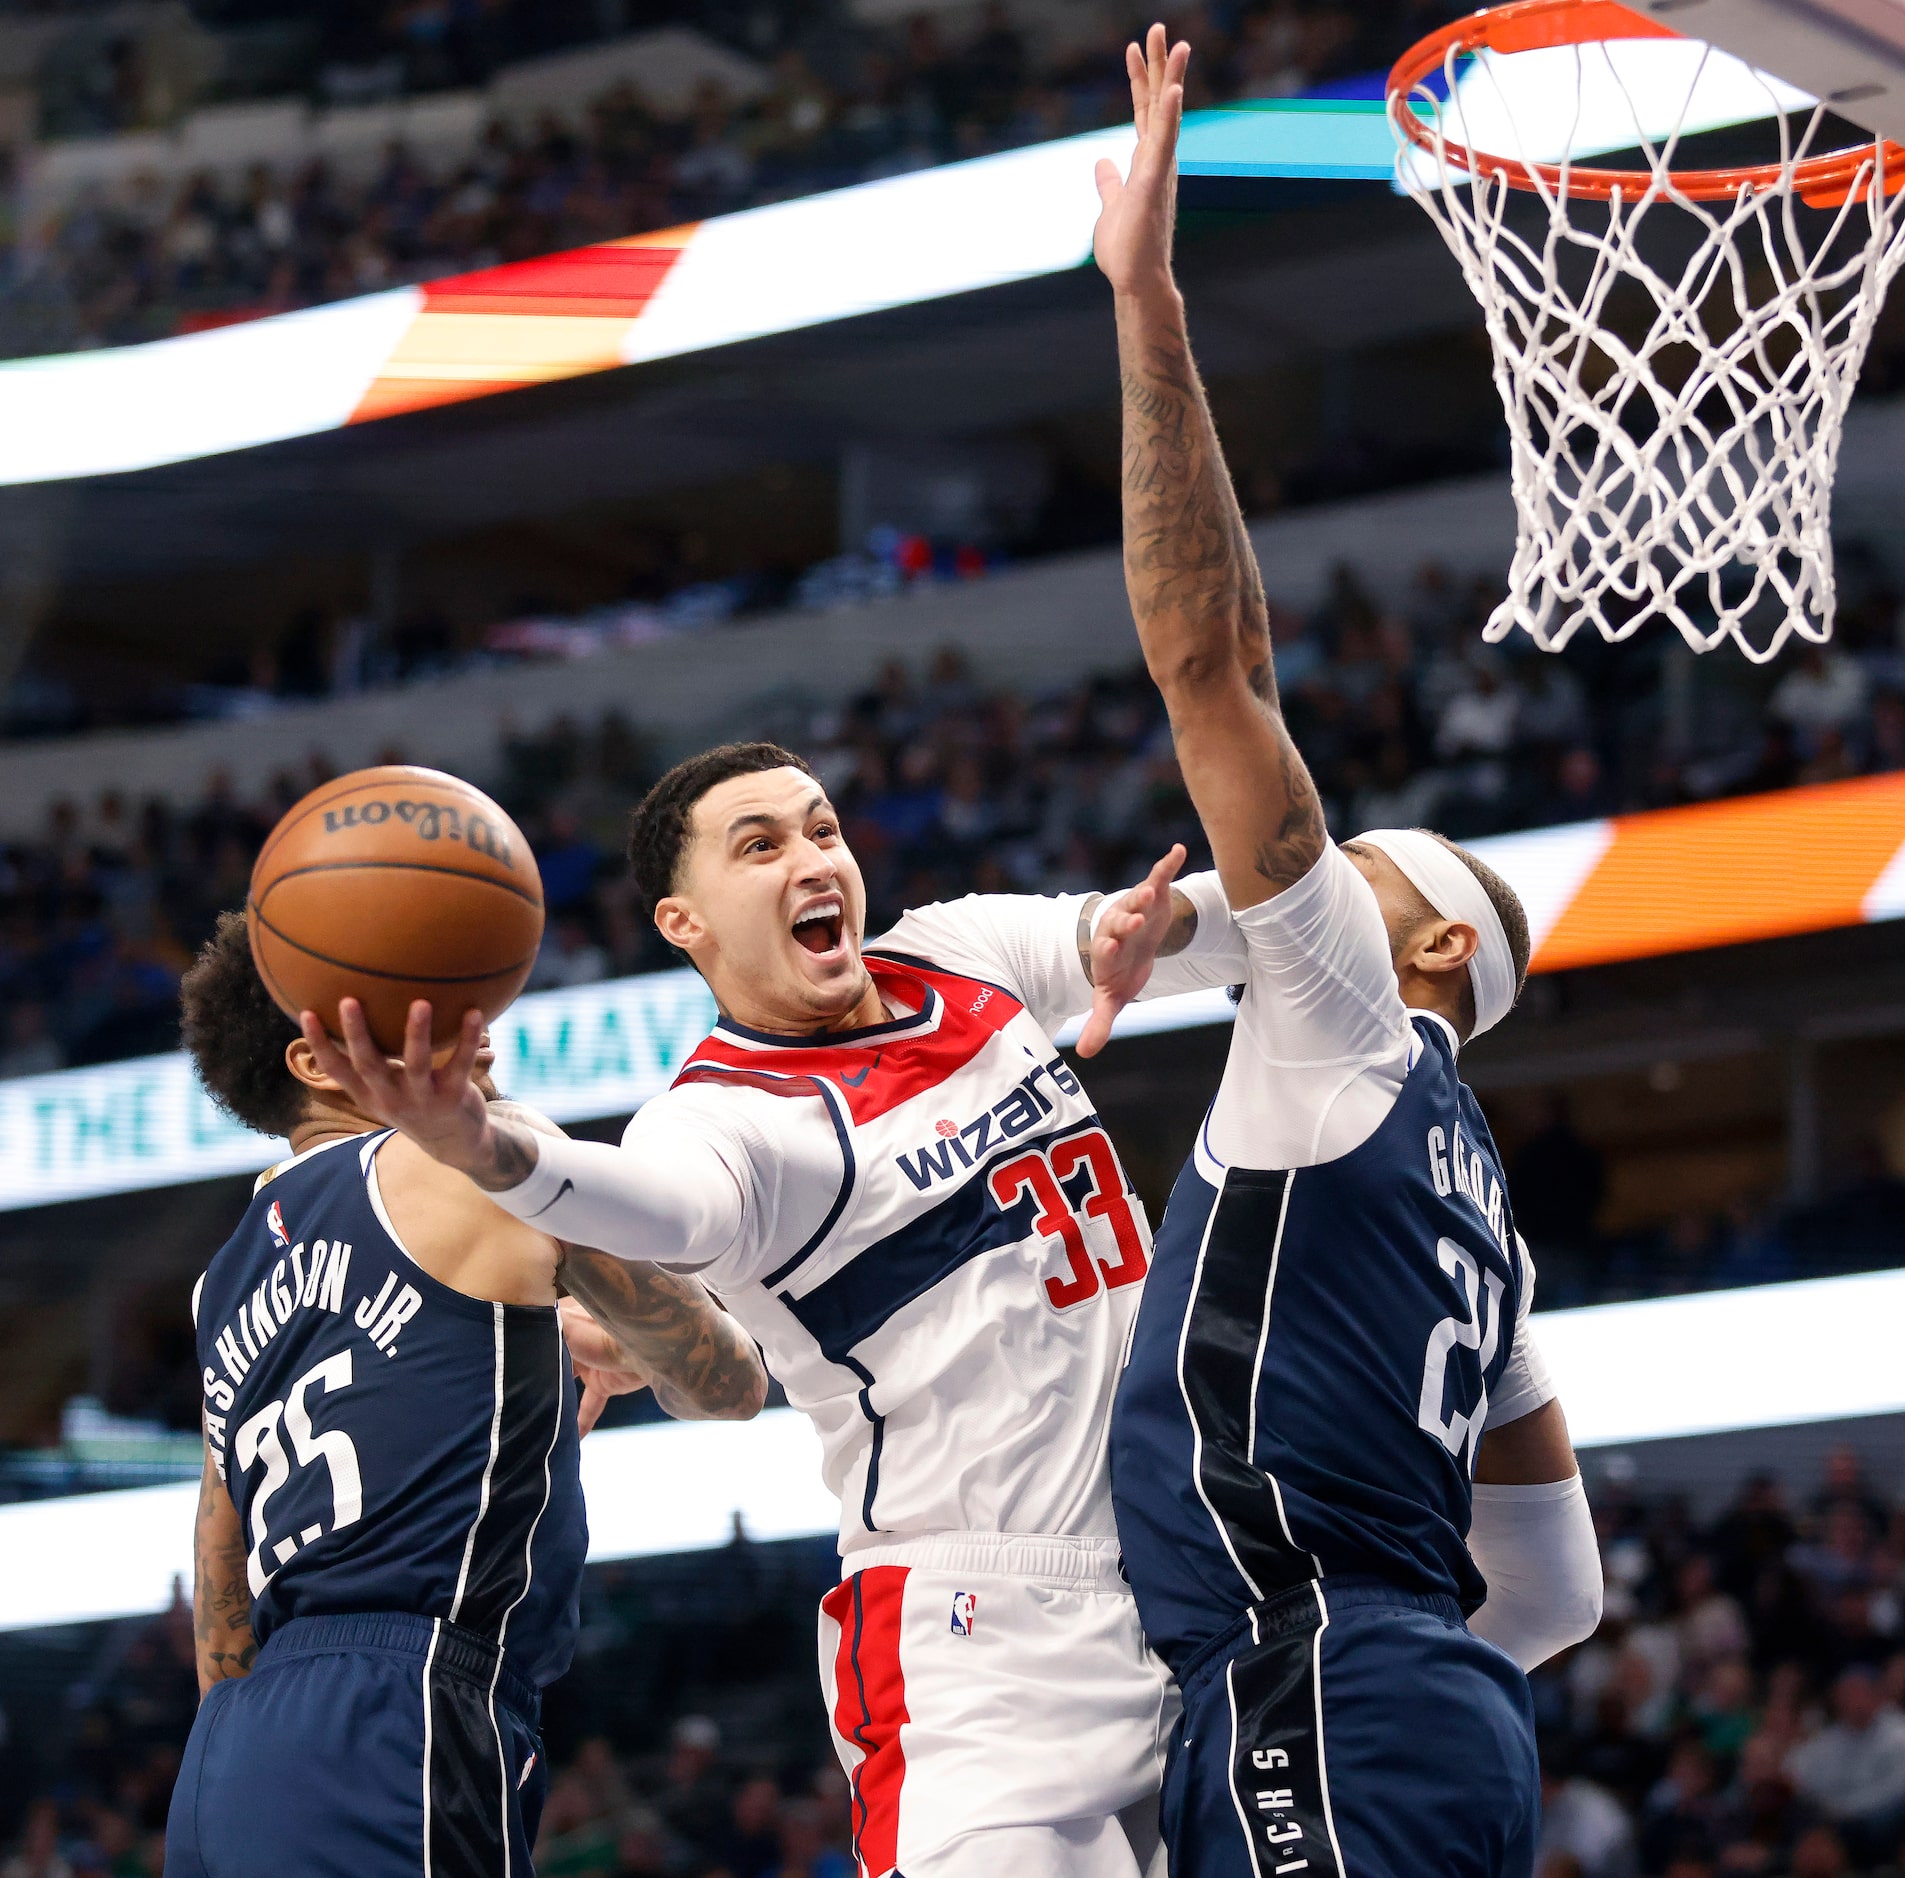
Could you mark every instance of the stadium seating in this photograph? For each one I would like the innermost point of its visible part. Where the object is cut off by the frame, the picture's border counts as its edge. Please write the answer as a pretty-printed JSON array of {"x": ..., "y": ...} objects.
[
  {"x": 258, "y": 207},
  {"x": 1738, "y": 1711}
]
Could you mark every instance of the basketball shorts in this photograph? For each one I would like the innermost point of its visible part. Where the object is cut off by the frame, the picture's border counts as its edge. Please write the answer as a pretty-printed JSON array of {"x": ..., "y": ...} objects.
[
  {"x": 996, "y": 1710},
  {"x": 374, "y": 1746},
  {"x": 1349, "y": 1729}
]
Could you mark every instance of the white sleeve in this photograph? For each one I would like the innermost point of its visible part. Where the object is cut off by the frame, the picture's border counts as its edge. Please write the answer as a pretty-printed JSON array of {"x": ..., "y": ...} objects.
[
  {"x": 1025, "y": 943},
  {"x": 706, "y": 1179},
  {"x": 1536, "y": 1547},
  {"x": 1525, "y": 1384},
  {"x": 1028, "y": 944},
  {"x": 1322, "y": 1041}
]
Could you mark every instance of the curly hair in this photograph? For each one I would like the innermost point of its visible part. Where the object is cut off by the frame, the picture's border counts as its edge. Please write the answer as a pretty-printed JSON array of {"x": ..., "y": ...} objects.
[
  {"x": 236, "y": 1035},
  {"x": 658, "y": 830}
]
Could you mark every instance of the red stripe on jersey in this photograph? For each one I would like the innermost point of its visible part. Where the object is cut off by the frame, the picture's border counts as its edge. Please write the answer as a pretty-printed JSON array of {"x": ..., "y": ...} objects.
[
  {"x": 878, "y": 1075},
  {"x": 870, "y": 1706}
]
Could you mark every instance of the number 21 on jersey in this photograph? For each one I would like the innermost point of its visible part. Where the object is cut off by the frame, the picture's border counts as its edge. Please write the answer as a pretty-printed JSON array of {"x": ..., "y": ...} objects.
[
  {"x": 1043, "y": 1172},
  {"x": 1478, "y": 1329}
]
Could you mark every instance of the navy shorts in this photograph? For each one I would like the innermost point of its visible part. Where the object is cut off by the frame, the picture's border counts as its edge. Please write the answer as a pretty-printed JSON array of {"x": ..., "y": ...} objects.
[
  {"x": 1349, "y": 1729},
  {"x": 374, "y": 1746}
]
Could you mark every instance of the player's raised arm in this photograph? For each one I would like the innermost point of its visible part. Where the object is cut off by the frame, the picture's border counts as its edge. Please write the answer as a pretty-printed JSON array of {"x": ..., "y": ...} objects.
[{"x": 1193, "y": 581}]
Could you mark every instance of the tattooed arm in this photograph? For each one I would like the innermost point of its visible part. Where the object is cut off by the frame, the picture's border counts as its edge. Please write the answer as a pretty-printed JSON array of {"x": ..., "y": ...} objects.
[
  {"x": 221, "y": 1598},
  {"x": 665, "y": 1328},
  {"x": 1189, "y": 569}
]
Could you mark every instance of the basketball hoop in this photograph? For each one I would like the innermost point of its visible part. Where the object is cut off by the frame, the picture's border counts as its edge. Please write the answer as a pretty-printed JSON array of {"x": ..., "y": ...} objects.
[{"x": 1674, "y": 415}]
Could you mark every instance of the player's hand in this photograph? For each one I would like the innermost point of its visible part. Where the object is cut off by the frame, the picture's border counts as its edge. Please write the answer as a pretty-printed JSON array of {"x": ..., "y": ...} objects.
[
  {"x": 1137, "y": 213},
  {"x": 1126, "y": 946},
  {"x": 599, "y": 1360},
  {"x": 436, "y": 1104}
]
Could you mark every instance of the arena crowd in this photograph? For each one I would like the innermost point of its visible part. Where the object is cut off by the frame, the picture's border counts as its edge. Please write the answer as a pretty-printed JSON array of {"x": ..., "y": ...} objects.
[
  {"x": 846, "y": 102},
  {"x": 949, "y": 786},
  {"x": 1738, "y": 1713}
]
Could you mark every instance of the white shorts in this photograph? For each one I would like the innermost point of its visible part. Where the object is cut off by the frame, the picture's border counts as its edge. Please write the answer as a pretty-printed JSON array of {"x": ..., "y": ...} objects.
[{"x": 996, "y": 1710}]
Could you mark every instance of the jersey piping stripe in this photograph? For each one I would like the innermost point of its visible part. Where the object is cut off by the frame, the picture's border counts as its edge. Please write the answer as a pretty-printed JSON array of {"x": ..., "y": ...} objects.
[
  {"x": 849, "y": 1692},
  {"x": 1322, "y": 1757},
  {"x": 879, "y": 1440},
  {"x": 869, "y": 1609},
  {"x": 925, "y": 1018},
  {"x": 849, "y": 1173},
  {"x": 1220, "y": 1356},
  {"x": 1190, "y": 1411},
  {"x": 914, "y": 963},
  {"x": 1236, "y": 1798},
  {"x": 1256, "y": 1374},
  {"x": 489, "y": 1469},
  {"x": 519, "y": 1490},
  {"x": 429, "y": 1739},
  {"x": 778, "y": 1083},
  {"x": 502, "y": 1630}
]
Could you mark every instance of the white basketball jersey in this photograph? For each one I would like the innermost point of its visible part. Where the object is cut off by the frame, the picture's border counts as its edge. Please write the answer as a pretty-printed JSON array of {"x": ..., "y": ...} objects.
[{"x": 955, "y": 1321}]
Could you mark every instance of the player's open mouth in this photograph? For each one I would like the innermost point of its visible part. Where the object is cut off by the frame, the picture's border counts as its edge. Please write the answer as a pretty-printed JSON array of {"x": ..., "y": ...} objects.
[{"x": 817, "y": 928}]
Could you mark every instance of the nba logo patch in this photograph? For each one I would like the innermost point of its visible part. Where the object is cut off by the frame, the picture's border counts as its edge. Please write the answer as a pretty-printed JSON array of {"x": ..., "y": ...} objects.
[
  {"x": 962, "y": 1619},
  {"x": 274, "y": 1219}
]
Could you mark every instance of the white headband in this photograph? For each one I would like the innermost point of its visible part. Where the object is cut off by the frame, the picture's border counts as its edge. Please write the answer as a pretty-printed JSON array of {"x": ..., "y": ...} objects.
[{"x": 1443, "y": 879}]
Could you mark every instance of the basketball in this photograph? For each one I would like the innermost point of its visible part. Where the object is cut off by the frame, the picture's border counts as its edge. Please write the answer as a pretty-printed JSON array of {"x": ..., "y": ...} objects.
[{"x": 394, "y": 884}]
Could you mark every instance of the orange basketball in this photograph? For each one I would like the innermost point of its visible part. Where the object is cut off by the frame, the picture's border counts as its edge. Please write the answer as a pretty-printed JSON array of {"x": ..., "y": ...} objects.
[{"x": 394, "y": 884}]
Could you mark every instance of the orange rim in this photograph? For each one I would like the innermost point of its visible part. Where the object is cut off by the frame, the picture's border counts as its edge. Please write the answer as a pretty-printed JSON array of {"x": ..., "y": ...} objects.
[{"x": 1538, "y": 25}]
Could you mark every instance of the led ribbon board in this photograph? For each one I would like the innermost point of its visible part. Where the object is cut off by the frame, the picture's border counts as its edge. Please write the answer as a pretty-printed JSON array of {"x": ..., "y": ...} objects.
[
  {"x": 1822, "y": 1350},
  {"x": 904, "y": 239},
  {"x": 895, "y": 242},
  {"x": 1672, "y": 880}
]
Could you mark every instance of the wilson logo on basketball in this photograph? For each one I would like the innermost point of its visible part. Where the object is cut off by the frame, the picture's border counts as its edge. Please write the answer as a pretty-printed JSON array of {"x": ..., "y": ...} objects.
[{"x": 433, "y": 821}]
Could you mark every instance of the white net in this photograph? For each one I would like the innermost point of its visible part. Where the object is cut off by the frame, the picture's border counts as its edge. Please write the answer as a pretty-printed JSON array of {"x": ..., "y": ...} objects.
[{"x": 1675, "y": 371}]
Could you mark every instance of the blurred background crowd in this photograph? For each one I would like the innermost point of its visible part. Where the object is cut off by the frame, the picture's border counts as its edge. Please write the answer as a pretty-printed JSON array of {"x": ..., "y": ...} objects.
[
  {"x": 950, "y": 786},
  {"x": 1738, "y": 1714},
  {"x": 832, "y": 98}
]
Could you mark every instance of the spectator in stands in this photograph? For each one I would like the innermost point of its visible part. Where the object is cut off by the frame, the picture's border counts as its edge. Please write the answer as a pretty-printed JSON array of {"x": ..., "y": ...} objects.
[
  {"x": 1820, "y": 1854},
  {"x": 1826, "y": 691},
  {"x": 804, "y": 1848},
  {"x": 32, "y": 1049},
  {"x": 695, "y": 1798},
  {"x": 1711, "y": 1626},
  {"x": 751, "y": 1847},
  {"x": 1579, "y": 792},
  {"x": 1559, "y": 1180},
  {"x": 1853, "y": 1769},
  {"x": 1765, "y": 1815},
  {"x": 1682, "y": 1816},
  {"x": 567, "y": 956},
  {"x": 39, "y": 1854},
  {"x": 1845, "y": 1487},
  {"x": 1582, "y": 1823}
]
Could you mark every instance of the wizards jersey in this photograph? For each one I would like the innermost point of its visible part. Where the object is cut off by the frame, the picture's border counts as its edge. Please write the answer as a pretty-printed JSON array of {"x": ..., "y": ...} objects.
[
  {"x": 952, "y": 1307},
  {"x": 390, "y": 1444},
  {"x": 1311, "y": 1368}
]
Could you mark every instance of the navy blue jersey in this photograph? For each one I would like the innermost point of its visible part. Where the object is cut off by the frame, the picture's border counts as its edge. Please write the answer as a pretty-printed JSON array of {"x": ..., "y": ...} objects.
[
  {"x": 1310, "y": 1370},
  {"x": 390, "y": 1444}
]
